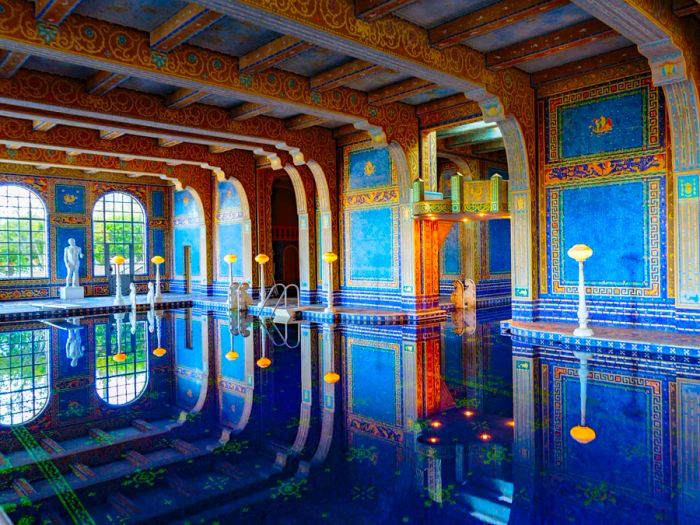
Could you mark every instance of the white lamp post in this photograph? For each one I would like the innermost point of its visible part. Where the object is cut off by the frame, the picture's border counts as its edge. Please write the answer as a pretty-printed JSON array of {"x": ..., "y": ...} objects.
[
  {"x": 230, "y": 258},
  {"x": 580, "y": 253},
  {"x": 157, "y": 260},
  {"x": 117, "y": 261},
  {"x": 261, "y": 259},
  {"x": 583, "y": 433},
  {"x": 330, "y": 258}
]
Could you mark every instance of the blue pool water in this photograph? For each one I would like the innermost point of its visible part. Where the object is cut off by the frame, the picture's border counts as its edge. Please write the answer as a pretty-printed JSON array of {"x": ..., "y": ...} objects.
[{"x": 188, "y": 416}]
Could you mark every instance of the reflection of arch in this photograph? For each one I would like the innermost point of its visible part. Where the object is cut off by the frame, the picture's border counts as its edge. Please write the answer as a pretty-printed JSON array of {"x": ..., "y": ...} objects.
[
  {"x": 191, "y": 219},
  {"x": 191, "y": 363},
  {"x": 23, "y": 214},
  {"x": 25, "y": 384},
  {"x": 245, "y": 251},
  {"x": 235, "y": 391},
  {"x": 119, "y": 219},
  {"x": 120, "y": 383}
]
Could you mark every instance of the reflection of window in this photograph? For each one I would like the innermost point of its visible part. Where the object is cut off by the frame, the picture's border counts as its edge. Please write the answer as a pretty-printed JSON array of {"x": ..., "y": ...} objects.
[
  {"x": 124, "y": 382},
  {"x": 24, "y": 375},
  {"x": 118, "y": 220},
  {"x": 22, "y": 234}
]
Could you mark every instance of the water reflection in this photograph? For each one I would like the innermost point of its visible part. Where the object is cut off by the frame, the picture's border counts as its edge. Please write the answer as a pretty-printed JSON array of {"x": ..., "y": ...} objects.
[{"x": 346, "y": 424}]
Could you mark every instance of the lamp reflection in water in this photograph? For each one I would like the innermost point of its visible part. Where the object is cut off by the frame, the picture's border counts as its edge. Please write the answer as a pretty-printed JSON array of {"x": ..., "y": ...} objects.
[
  {"x": 231, "y": 355},
  {"x": 264, "y": 361},
  {"x": 158, "y": 351},
  {"x": 583, "y": 433},
  {"x": 120, "y": 356},
  {"x": 580, "y": 253}
]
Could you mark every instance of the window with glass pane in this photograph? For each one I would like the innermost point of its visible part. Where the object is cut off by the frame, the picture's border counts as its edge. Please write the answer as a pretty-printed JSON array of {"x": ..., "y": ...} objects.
[
  {"x": 121, "y": 383},
  {"x": 118, "y": 220},
  {"x": 22, "y": 234},
  {"x": 24, "y": 375}
]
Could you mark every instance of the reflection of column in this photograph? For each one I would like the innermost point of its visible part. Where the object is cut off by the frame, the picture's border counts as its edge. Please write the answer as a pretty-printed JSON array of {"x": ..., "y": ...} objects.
[
  {"x": 688, "y": 450},
  {"x": 327, "y": 365},
  {"x": 434, "y": 473}
]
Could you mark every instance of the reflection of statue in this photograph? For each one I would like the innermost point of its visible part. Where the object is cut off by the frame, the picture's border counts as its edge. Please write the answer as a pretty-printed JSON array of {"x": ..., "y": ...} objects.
[
  {"x": 71, "y": 257},
  {"x": 132, "y": 296},
  {"x": 74, "y": 346},
  {"x": 151, "y": 295}
]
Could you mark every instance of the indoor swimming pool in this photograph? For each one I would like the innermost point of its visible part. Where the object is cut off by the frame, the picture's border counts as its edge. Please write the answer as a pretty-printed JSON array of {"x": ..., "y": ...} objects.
[{"x": 193, "y": 416}]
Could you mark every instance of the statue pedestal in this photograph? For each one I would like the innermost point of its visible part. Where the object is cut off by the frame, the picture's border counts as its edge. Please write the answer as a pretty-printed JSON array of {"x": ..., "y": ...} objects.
[{"x": 72, "y": 292}]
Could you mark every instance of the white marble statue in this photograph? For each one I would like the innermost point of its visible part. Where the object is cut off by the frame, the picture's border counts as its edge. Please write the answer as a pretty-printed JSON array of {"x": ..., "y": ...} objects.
[
  {"x": 233, "y": 296},
  {"x": 151, "y": 296},
  {"x": 132, "y": 296},
  {"x": 74, "y": 346},
  {"x": 71, "y": 257}
]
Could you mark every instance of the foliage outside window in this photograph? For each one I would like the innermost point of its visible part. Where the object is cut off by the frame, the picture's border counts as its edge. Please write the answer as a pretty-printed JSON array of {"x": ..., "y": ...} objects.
[
  {"x": 24, "y": 375},
  {"x": 22, "y": 234},
  {"x": 121, "y": 383},
  {"x": 118, "y": 220}
]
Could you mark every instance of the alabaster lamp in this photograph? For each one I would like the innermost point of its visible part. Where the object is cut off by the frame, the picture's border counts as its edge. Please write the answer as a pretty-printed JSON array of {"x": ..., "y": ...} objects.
[
  {"x": 330, "y": 258},
  {"x": 262, "y": 259},
  {"x": 117, "y": 261},
  {"x": 580, "y": 253},
  {"x": 230, "y": 259},
  {"x": 583, "y": 433},
  {"x": 157, "y": 261}
]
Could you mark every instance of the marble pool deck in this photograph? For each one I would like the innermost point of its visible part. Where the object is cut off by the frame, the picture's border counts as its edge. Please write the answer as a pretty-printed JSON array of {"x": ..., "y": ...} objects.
[{"x": 631, "y": 342}]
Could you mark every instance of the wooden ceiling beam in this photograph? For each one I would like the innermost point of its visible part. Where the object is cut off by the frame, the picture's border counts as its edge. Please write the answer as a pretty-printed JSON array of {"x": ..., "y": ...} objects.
[
  {"x": 490, "y": 18},
  {"x": 53, "y": 12},
  {"x": 342, "y": 75},
  {"x": 271, "y": 54},
  {"x": 399, "y": 91},
  {"x": 42, "y": 125},
  {"x": 108, "y": 134},
  {"x": 220, "y": 148},
  {"x": 185, "y": 24},
  {"x": 568, "y": 38},
  {"x": 11, "y": 62},
  {"x": 580, "y": 67},
  {"x": 371, "y": 10},
  {"x": 474, "y": 137},
  {"x": 168, "y": 143},
  {"x": 183, "y": 97},
  {"x": 303, "y": 122},
  {"x": 686, "y": 7},
  {"x": 249, "y": 110},
  {"x": 103, "y": 82}
]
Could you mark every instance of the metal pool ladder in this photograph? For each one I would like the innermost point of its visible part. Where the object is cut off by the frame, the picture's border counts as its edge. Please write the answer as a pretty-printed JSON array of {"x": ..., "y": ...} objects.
[{"x": 282, "y": 313}]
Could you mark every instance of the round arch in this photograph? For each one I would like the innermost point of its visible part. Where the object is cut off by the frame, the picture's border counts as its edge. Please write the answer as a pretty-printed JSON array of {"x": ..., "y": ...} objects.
[
  {"x": 189, "y": 229},
  {"x": 245, "y": 251}
]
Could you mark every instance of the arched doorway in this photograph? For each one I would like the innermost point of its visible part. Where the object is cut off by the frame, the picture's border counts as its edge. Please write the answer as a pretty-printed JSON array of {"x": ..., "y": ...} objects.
[{"x": 285, "y": 231}]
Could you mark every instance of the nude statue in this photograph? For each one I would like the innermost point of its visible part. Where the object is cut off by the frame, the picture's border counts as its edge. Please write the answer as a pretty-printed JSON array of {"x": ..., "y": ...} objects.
[
  {"x": 74, "y": 346},
  {"x": 71, "y": 257}
]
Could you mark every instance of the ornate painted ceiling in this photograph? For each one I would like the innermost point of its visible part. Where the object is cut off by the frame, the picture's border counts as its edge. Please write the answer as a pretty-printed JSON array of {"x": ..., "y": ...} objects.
[{"x": 224, "y": 55}]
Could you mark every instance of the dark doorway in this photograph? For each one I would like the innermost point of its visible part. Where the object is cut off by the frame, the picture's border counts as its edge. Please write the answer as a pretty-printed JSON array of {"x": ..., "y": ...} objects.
[{"x": 285, "y": 232}]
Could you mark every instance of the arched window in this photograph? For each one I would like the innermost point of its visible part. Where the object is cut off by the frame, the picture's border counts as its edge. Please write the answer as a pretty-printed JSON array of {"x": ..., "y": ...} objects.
[
  {"x": 121, "y": 381},
  {"x": 22, "y": 234},
  {"x": 24, "y": 375},
  {"x": 118, "y": 228}
]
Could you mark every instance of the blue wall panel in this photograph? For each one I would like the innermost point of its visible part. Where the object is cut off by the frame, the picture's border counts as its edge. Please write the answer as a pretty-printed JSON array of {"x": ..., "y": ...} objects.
[
  {"x": 499, "y": 246},
  {"x": 230, "y": 241},
  {"x": 615, "y": 228},
  {"x": 452, "y": 261},
  {"x": 369, "y": 169},
  {"x": 582, "y": 132},
  {"x": 190, "y": 236},
  {"x": 372, "y": 244}
]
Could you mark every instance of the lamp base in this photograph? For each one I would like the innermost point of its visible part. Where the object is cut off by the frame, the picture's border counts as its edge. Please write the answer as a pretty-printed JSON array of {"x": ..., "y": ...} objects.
[
  {"x": 583, "y": 332},
  {"x": 330, "y": 310},
  {"x": 72, "y": 292}
]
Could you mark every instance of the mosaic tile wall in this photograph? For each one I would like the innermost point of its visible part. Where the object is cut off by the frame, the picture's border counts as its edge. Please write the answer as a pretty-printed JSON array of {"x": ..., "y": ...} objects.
[
  {"x": 230, "y": 226},
  {"x": 189, "y": 230},
  {"x": 69, "y": 202},
  {"x": 370, "y": 259},
  {"x": 604, "y": 165}
]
